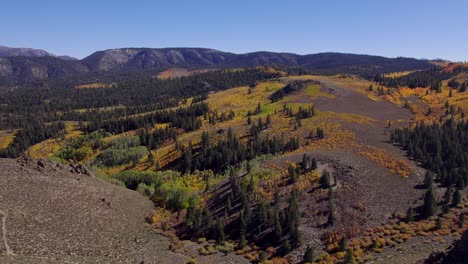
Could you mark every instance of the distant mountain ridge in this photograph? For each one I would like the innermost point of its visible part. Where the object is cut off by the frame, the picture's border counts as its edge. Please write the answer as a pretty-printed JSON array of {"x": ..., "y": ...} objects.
[
  {"x": 29, "y": 52},
  {"x": 26, "y": 64}
]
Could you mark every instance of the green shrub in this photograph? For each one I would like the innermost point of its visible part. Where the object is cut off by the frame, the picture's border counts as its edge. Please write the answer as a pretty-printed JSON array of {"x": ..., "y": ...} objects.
[
  {"x": 174, "y": 195},
  {"x": 145, "y": 190},
  {"x": 132, "y": 179}
]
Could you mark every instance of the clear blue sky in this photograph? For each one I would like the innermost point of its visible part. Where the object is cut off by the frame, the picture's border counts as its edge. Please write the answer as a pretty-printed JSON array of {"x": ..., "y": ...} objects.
[{"x": 421, "y": 29}]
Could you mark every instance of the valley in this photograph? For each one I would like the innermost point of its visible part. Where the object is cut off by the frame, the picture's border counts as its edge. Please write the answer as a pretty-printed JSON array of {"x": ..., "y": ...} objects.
[{"x": 263, "y": 164}]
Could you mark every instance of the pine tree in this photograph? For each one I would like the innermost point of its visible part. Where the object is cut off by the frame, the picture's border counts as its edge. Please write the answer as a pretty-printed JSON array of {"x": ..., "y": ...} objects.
[
  {"x": 151, "y": 158},
  {"x": 325, "y": 179},
  {"x": 268, "y": 120},
  {"x": 320, "y": 133},
  {"x": 305, "y": 162},
  {"x": 188, "y": 157},
  {"x": 262, "y": 214},
  {"x": 409, "y": 214},
  {"x": 428, "y": 179},
  {"x": 277, "y": 225},
  {"x": 448, "y": 194},
  {"x": 456, "y": 198},
  {"x": 294, "y": 218},
  {"x": 331, "y": 208},
  {"x": 242, "y": 242},
  {"x": 313, "y": 166},
  {"x": 251, "y": 185},
  {"x": 343, "y": 244},
  {"x": 229, "y": 204},
  {"x": 286, "y": 247},
  {"x": 292, "y": 173},
  {"x": 349, "y": 258},
  {"x": 430, "y": 204},
  {"x": 309, "y": 255},
  {"x": 220, "y": 237},
  {"x": 207, "y": 218},
  {"x": 438, "y": 225}
]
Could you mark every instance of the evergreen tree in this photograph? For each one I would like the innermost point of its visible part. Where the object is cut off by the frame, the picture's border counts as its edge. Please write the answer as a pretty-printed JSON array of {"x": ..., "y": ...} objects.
[
  {"x": 428, "y": 179},
  {"x": 151, "y": 158},
  {"x": 438, "y": 225},
  {"x": 258, "y": 110},
  {"x": 305, "y": 163},
  {"x": 309, "y": 255},
  {"x": 343, "y": 244},
  {"x": 349, "y": 258},
  {"x": 229, "y": 204},
  {"x": 242, "y": 242},
  {"x": 320, "y": 133},
  {"x": 292, "y": 173},
  {"x": 262, "y": 214},
  {"x": 277, "y": 225},
  {"x": 268, "y": 120},
  {"x": 325, "y": 179},
  {"x": 448, "y": 194},
  {"x": 220, "y": 237},
  {"x": 314, "y": 164},
  {"x": 331, "y": 208},
  {"x": 286, "y": 247},
  {"x": 430, "y": 205},
  {"x": 409, "y": 214},
  {"x": 456, "y": 198},
  {"x": 294, "y": 218}
]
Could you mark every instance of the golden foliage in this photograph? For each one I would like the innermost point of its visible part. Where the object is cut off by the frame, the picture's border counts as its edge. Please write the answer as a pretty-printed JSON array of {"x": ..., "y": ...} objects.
[
  {"x": 395, "y": 165},
  {"x": 6, "y": 138},
  {"x": 94, "y": 86},
  {"x": 48, "y": 147}
]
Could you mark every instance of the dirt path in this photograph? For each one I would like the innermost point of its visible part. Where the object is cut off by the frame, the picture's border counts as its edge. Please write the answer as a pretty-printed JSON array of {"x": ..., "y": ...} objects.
[{"x": 4, "y": 232}]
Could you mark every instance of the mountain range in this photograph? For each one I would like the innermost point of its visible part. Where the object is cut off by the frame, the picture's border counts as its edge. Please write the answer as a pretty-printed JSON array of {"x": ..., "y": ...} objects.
[{"x": 19, "y": 65}]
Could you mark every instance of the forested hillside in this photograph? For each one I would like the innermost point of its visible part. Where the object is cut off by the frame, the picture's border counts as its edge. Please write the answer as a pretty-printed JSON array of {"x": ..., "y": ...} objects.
[
  {"x": 266, "y": 162},
  {"x": 110, "y": 65}
]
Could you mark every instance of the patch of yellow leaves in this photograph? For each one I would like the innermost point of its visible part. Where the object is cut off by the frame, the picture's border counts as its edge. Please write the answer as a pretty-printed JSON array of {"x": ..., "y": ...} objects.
[
  {"x": 6, "y": 138},
  {"x": 395, "y": 165},
  {"x": 93, "y": 86},
  {"x": 48, "y": 147}
]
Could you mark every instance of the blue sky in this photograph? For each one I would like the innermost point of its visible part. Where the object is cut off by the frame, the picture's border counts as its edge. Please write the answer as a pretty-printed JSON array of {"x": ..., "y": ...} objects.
[{"x": 421, "y": 29}]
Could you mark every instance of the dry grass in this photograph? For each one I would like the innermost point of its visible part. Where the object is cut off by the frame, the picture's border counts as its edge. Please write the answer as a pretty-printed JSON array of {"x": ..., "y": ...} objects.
[
  {"x": 94, "y": 86},
  {"x": 396, "y": 165},
  {"x": 397, "y": 74},
  {"x": 396, "y": 232},
  {"x": 178, "y": 72}
]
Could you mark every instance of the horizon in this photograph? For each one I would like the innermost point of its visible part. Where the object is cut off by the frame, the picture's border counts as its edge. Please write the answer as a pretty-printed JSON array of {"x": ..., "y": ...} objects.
[
  {"x": 208, "y": 48},
  {"x": 425, "y": 29}
]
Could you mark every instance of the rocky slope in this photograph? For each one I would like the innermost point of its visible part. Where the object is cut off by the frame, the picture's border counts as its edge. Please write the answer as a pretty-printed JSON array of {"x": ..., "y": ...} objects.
[{"x": 51, "y": 213}]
